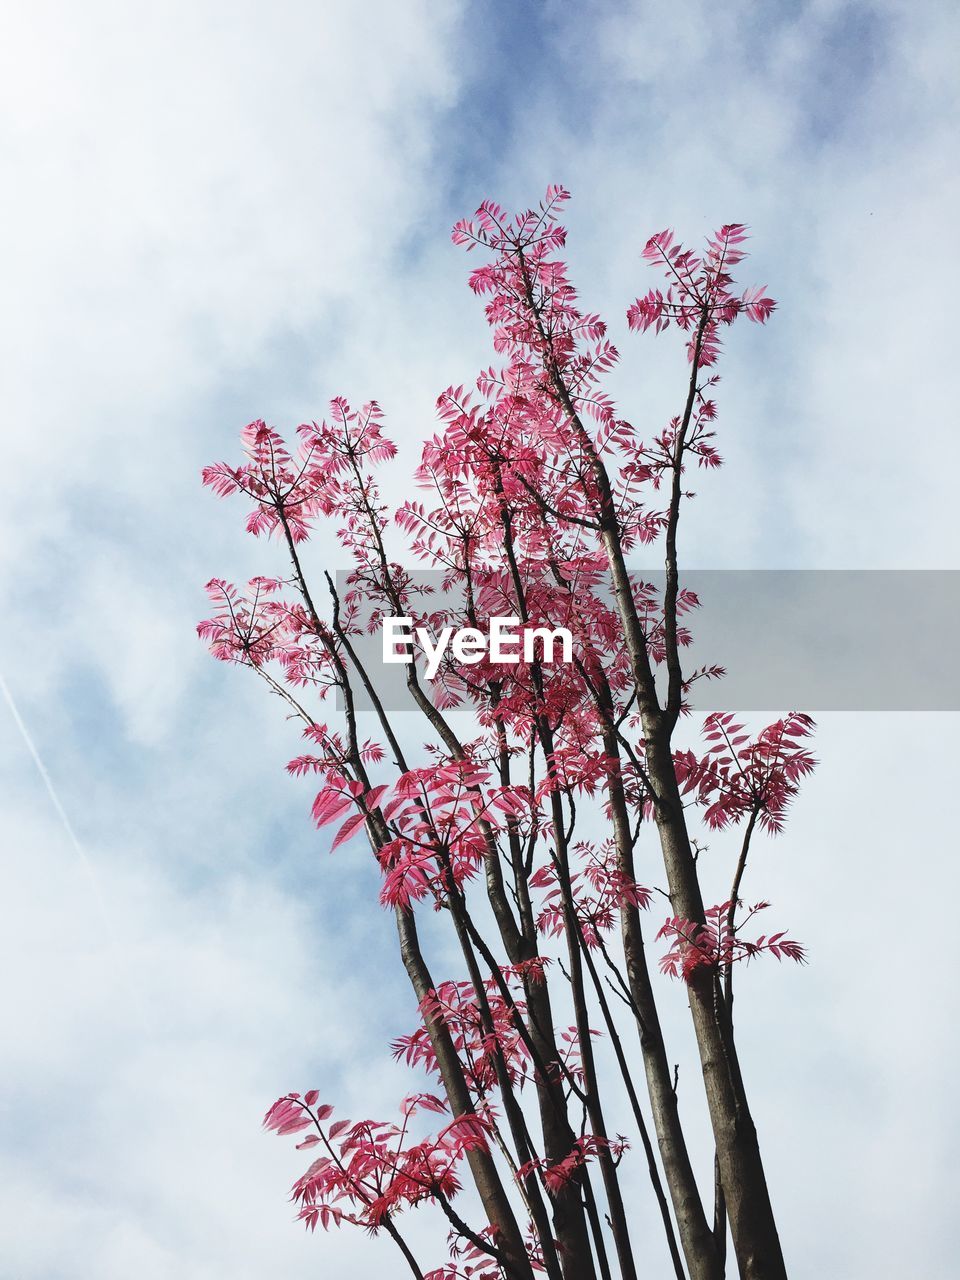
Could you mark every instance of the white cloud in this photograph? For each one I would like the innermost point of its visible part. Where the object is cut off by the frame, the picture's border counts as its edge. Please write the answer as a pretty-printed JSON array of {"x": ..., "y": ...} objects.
[{"x": 190, "y": 185}]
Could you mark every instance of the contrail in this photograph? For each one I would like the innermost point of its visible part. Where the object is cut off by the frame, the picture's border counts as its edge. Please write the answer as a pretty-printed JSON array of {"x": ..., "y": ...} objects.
[
  {"x": 51, "y": 791},
  {"x": 75, "y": 842}
]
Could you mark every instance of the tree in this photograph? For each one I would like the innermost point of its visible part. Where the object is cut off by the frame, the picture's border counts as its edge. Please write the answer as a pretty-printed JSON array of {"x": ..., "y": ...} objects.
[{"x": 524, "y": 831}]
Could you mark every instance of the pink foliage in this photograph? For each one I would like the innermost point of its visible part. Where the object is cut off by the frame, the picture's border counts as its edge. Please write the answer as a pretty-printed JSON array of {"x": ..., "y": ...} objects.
[
  {"x": 514, "y": 515},
  {"x": 740, "y": 774},
  {"x": 699, "y": 297},
  {"x": 714, "y": 945},
  {"x": 370, "y": 1170}
]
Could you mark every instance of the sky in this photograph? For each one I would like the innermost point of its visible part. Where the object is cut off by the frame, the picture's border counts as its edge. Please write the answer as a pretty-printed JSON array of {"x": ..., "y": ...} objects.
[{"x": 215, "y": 212}]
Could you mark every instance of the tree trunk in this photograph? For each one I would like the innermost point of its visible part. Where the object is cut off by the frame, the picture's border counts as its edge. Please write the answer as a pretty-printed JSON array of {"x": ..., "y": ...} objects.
[
  {"x": 752, "y": 1224},
  {"x": 499, "y": 1211}
]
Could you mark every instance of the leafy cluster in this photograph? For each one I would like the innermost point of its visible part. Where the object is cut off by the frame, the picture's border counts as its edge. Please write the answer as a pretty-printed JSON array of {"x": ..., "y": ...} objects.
[{"x": 526, "y": 833}]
